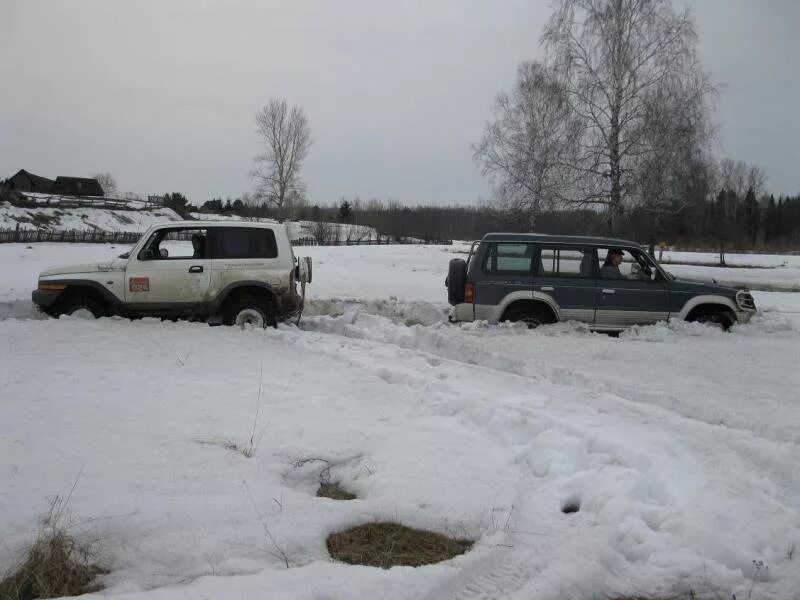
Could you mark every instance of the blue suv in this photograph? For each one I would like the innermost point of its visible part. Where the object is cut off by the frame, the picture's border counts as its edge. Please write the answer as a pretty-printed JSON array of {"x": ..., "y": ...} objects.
[{"x": 607, "y": 283}]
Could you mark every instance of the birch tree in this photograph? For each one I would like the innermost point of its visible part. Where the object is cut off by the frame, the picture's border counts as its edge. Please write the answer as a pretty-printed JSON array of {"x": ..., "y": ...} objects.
[
  {"x": 108, "y": 183},
  {"x": 614, "y": 58},
  {"x": 528, "y": 146},
  {"x": 286, "y": 137}
]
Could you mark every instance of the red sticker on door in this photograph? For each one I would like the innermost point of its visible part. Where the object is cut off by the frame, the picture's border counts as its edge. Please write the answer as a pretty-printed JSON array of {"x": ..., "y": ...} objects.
[{"x": 139, "y": 284}]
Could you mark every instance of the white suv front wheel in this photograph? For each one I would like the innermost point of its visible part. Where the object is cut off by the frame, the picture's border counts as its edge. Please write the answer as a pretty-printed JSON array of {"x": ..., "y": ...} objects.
[{"x": 81, "y": 307}]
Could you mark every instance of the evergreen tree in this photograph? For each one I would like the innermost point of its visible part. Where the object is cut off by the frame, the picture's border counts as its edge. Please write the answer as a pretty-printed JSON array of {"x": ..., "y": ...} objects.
[
  {"x": 177, "y": 202},
  {"x": 213, "y": 206},
  {"x": 345, "y": 212},
  {"x": 752, "y": 215},
  {"x": 771, "y": 221}
]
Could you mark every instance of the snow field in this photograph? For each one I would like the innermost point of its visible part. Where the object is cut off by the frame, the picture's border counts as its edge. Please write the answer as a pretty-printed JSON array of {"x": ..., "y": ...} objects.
[{"x": 679, "y": 442}]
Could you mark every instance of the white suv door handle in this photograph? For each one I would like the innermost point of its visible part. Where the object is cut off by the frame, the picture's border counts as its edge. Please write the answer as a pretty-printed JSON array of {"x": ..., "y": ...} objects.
[{"x": 608, "y": 291}]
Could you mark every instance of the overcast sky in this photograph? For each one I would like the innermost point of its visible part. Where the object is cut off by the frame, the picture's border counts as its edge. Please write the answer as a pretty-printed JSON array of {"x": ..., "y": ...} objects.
[{"x": 163, "y": 93}]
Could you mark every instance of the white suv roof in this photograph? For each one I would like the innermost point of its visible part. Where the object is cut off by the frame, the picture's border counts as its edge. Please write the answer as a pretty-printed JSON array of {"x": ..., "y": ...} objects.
[{"x": 200, "y": 224}]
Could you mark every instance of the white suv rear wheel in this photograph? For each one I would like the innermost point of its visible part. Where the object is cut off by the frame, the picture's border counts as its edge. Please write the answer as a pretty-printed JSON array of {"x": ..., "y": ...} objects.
[
  {"x": 250, "y": 311},
  {"x": 250, "y": 318}
]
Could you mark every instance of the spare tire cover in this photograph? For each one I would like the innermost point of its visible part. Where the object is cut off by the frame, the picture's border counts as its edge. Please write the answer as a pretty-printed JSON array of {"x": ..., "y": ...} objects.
[{"x": 456, "y": 279}]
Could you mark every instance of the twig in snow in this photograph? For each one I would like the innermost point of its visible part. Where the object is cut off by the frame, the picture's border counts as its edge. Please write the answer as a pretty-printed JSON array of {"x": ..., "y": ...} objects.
[
  {"x": 58, "y": 506},
  {"x": 508, "y": 519},
  {"x": 181, "y": 361},
  {"x": 280, "y": 551},
  {"x": 250, "y": 450}
]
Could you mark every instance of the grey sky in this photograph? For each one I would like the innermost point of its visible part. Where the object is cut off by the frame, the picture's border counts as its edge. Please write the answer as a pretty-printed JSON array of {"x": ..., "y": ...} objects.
[{"x": 163, "y": 93}]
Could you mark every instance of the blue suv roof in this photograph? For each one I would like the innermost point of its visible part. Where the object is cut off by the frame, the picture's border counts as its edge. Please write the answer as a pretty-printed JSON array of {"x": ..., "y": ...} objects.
[{"x": 557, "y": 239}]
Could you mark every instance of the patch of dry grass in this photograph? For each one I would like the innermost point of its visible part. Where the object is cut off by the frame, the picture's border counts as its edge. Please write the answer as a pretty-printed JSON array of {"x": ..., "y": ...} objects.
[
  {"x": 387, "y": 545},
  {"x": 334, "y": 491},
  {"x": 55, "y": 565}
]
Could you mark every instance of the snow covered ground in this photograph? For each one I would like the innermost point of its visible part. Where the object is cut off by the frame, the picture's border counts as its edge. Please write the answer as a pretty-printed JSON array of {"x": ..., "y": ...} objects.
[
  {"x": 680, "y": 443},
  {"x": 767, "y": 272}
]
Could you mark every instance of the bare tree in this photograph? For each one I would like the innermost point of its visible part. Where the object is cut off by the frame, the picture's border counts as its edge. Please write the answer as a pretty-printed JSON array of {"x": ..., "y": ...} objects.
[
  {"x": 737, "y": 176},
  {"x": 615, "y": 57},
  {"x": 286, "y": 136},
  {"x": 526, "y": 148},
  {"x": 323, "y": 232},
  {"x": 108, "y": 183},
  {"x": 732, "y": 176},
  {"x": 756, "y": 180},
  {"x": 676, "y": 170}
]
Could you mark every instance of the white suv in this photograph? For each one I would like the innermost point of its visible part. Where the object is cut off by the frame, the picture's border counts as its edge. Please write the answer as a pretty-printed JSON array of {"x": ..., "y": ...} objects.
[{"x": 243, "y": 271}]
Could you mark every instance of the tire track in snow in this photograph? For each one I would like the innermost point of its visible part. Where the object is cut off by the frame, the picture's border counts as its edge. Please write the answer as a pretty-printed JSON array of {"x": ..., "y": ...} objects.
[
  {"x": 503, "y": 572},
  {"x": 507, "y": 568},
  {"x": 704, "y": 437},
  {"x": 452, "y": 344}
]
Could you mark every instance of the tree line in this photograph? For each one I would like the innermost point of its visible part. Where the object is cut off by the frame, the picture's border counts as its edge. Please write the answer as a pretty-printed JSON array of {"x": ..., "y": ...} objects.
[{"x": 728, "y": 221}]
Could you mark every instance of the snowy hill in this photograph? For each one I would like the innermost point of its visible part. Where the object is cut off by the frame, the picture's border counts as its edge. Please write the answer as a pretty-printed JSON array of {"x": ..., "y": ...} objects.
[
  {"x": 78, "y": 218},
  {"x": 63, "y": 213}
]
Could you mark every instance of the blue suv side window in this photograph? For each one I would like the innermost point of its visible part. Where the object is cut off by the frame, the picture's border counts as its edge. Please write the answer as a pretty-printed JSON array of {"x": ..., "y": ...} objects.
[
  {"x": 566, "y": 262},
  {"x": 505, "y": 258}
]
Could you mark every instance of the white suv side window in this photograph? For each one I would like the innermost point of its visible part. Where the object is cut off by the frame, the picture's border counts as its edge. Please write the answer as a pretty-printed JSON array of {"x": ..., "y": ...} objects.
[
  {"x": 244, "y": 242},
  {"x": 175, "y": 244}
]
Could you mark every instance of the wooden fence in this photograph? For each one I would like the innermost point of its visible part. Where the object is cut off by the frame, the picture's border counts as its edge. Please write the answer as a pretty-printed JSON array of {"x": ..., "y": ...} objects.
[
  {"x": 71, "y": 236},
  {"x": 56, "y": 201},
  {"x": 131, "y": 237},
  {"x": 381, "y": 241}
]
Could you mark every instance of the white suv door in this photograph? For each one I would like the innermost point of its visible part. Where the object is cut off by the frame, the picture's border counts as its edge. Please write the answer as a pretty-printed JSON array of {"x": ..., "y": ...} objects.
[
  {"x": 241, "y": 254},
  {"x": 172, "y": 268}
]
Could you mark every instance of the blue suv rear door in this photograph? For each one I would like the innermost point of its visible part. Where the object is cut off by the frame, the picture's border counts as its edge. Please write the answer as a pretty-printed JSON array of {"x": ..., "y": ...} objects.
[
  {"x": 567, "y": 274},
  {"x": 505, "y": 268}
]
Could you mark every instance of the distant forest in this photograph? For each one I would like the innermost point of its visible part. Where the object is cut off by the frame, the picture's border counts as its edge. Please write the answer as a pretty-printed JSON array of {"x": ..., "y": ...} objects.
[{"x": 730, "y": 222}]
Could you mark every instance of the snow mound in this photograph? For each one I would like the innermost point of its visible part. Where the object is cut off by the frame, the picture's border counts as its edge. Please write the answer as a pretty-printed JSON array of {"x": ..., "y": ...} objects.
[
  {"x": 403, "y": 311},
  {"x": 677, "y": 331},
  {"x": 20, "y": 309}
]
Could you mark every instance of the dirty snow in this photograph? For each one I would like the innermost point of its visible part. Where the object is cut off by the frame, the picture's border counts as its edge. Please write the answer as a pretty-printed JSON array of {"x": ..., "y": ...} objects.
[{"x": 679, "y": 442}]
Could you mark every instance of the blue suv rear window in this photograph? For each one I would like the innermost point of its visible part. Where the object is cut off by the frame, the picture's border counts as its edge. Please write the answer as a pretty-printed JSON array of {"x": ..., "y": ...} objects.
[{"x": 509, "y": 258}]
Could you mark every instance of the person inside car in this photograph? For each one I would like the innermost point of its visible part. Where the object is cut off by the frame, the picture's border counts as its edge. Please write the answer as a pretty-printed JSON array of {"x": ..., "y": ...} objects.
[
  {"x": 198, "y": 245},
  {"x": 610, "y": 268}
]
